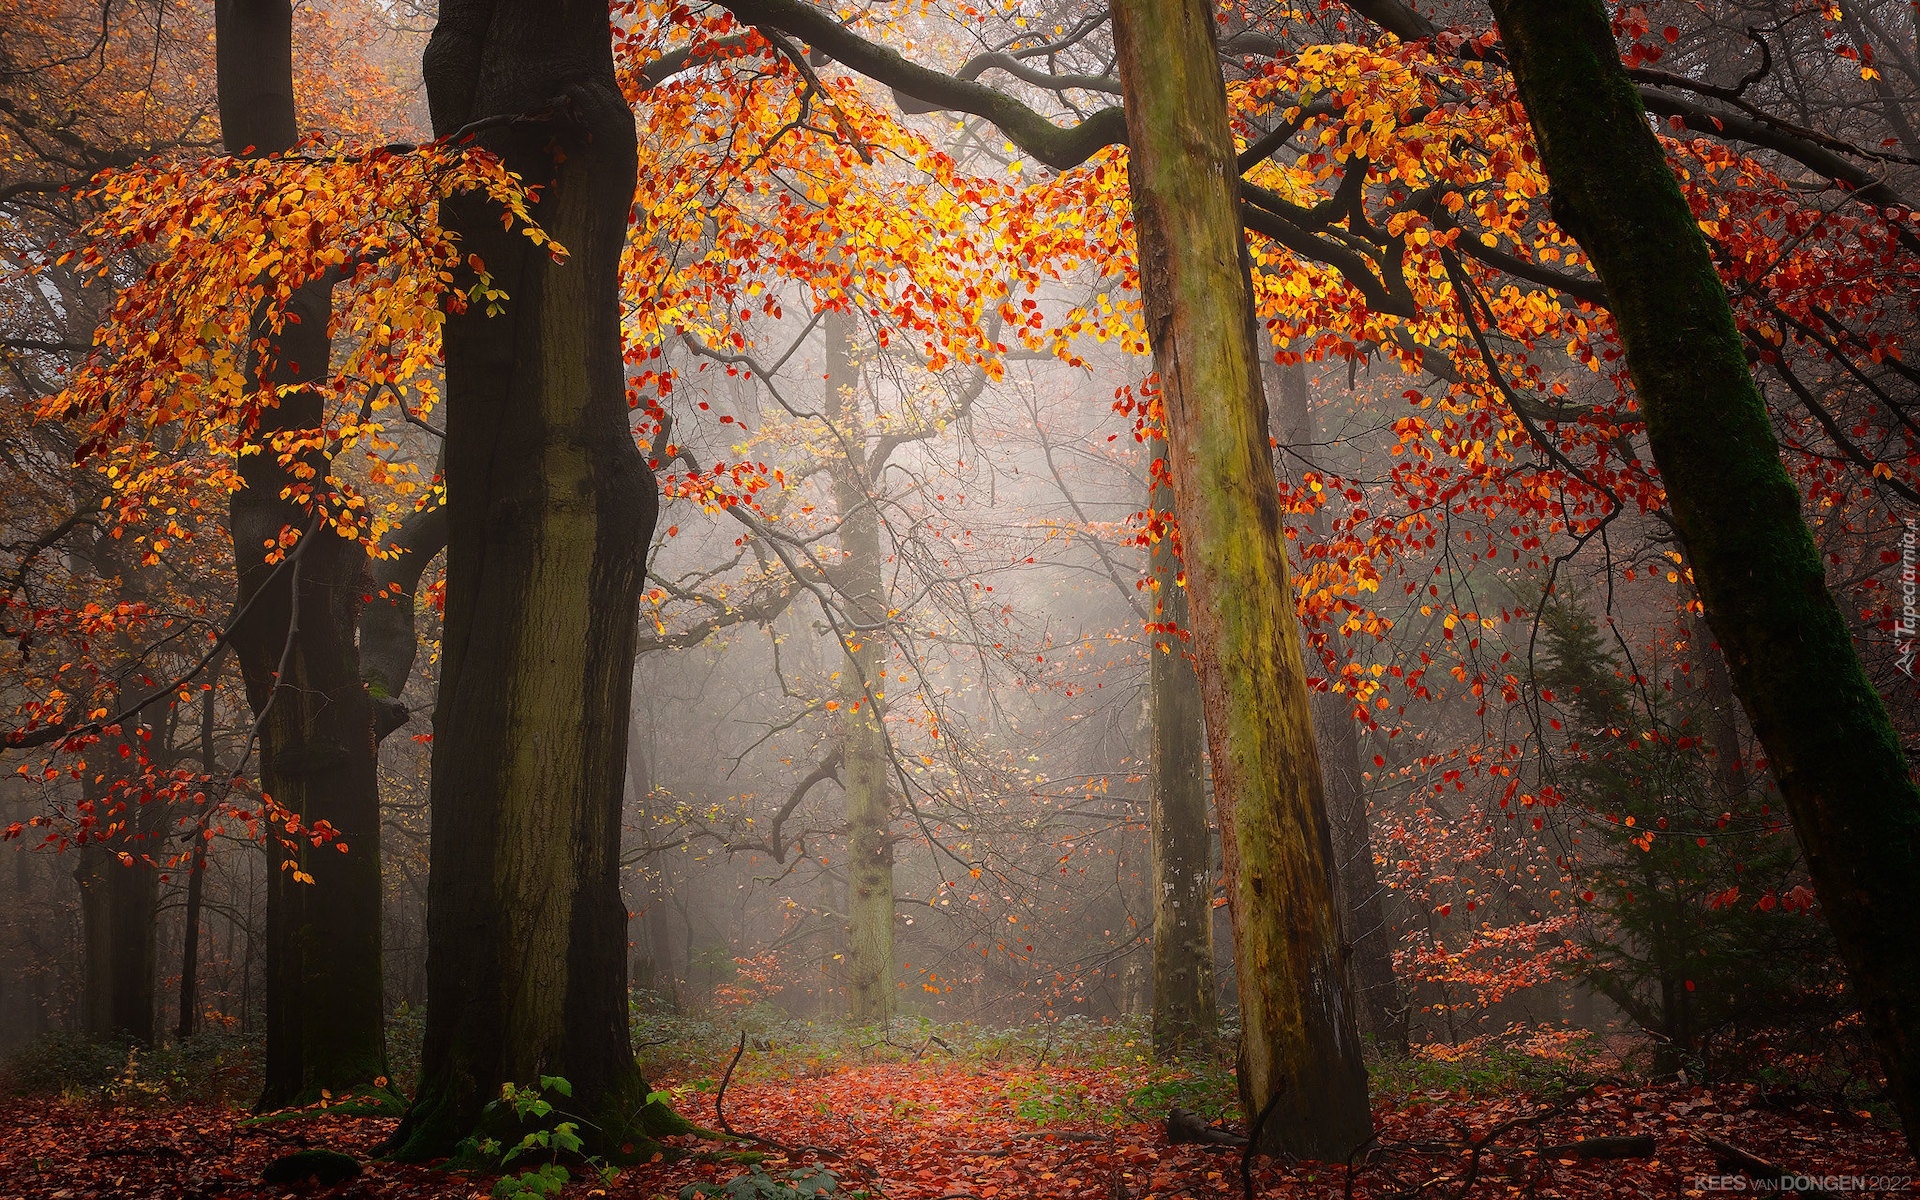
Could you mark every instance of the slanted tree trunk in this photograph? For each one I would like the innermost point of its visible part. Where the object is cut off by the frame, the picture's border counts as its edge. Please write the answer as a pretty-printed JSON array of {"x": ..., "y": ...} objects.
[
  {"x": 1185, "y": 1015},
  {"x": 296, "y": 647},
  {"x": 1362, "y": 898},
  {"x": 1301, "y": 1071},
  {"x": 861, "y": 582},
  {"x": 1833, "y": 751},
  {"x": 549, "y": 507}
]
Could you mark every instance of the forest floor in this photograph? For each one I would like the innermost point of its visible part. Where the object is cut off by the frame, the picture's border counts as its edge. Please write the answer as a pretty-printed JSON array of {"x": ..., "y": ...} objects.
[{"x": 897, "y": 1121}]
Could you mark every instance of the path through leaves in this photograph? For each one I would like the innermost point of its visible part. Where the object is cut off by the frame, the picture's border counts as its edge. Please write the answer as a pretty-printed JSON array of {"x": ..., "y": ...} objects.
[{"x": 931, "y": 1130}]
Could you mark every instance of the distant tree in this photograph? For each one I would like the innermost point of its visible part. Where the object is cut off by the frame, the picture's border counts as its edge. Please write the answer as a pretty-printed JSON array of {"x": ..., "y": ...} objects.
[{"x": 1703, "y": 929}]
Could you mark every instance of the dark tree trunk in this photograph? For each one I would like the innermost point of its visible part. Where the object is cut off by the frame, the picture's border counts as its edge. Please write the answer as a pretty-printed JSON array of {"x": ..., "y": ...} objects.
[
  {"x": 1723, "y": 725},
  {"x": 1362, "y": 898},
  {"x": 1828, "y": 740},
  {"x": 197, "y": 869},
  {"x": 549, "y": 507},
  {"x": 296, "y": 647},
  {"x": 118, "y": 903},
  {"x": 1301, "y": 1075},
  {"x": 1185, "y": 1014}
]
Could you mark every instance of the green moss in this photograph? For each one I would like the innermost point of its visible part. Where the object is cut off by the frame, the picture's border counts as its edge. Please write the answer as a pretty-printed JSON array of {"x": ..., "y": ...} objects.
[{"x": 1827, "y": 735}]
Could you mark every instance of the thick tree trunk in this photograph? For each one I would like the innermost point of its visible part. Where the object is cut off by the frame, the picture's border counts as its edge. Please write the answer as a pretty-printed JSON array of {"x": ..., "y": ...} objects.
[
  {"x": 549, "y": 507},
  {"x": 1185, "y": 1013},
  {"x": 325, "y": 1013},
  {"x": 117, "y": 905},
  {"x": 861, "y": 582},
  {"x": 1362, "y": 898},
  {"x": 1301, "y": 1070},
  {"x": 1828, "y": 740}
]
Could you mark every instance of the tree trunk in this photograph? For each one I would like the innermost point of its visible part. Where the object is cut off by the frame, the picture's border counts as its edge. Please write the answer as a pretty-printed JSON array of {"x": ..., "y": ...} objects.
[
  {"x": 1362, "y": 898},
  {"x": 1301, "y": 1071},
  {"x": 118, "y": 904},
  {"x": 862, "y": 584},
  {"x": 1184, "y": 1010},
  {"x": 549, "y": 507},
  {"x": 197, "y": 868},
  {"x": 1723, "y": 728},
  {"x": 296, "y": 647},
  {"x": 1831, "y": 746}
]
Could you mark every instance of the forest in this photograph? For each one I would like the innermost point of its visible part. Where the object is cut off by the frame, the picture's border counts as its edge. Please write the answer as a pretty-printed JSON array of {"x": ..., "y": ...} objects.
[{"x": 959, "y": 599}]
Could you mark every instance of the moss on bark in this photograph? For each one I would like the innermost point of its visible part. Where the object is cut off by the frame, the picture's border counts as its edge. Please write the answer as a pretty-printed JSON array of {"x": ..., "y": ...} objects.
[
  {"x": 1301, "y": 1068},
  {"x": 1828, "y": 739},
  {"x": 861, "y": 582},
  {"x": 549, "y": 508},
  {"x": 1184, "y": 1011}
]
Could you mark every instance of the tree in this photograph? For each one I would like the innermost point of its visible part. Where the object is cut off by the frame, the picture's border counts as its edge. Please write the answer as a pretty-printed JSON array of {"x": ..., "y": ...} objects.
[
  {"x": 301, "y": 590},
  {"x": 549, "y": 508},
  {"x": 117, "y": 902},
  {"x": 1831, "y": 746},
  {"x": 1705, "y": 931},
  {"x": 863, "y": 757},
  {"x": 1184, "y": 1003},
  {"x": 1362, "y": 902},
  {"x": 1301, "y": 1075}
]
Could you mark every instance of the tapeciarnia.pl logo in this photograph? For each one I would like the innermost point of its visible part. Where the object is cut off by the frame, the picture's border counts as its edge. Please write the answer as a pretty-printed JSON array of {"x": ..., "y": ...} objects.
[{"x": 1906, "y": 631}]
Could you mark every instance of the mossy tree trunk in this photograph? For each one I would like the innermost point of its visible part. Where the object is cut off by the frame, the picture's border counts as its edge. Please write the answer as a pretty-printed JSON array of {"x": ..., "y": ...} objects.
[
  {"x": 1300, "y": 1064},
  {"x": 861, "y": 583},
  {"x": 1184, "y": 1009},
  {"x": 549, "y": 507},
  {"x": 1828, "y": 740},
  {"x": 1363, "y": 910},
  {"x": 296, "y": 648}
]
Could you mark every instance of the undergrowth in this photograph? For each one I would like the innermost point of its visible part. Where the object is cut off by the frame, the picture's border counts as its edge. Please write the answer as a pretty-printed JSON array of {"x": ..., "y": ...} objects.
[{"x": 217, "y": 1066}]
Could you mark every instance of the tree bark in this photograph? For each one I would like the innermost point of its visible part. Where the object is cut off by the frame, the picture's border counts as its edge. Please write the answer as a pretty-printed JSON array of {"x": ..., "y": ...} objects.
[
  {"x": 118, "y": 903},
  {"x": 197, "y": 869},
  {"x": 862, "y": 584},
  {"x": 1185, "y": 1013},
  {"x": 1828, "y": 740},
  {"x": 1723, "y": 729},
  {"x": 1301, "y": 1071},
  {"x": 1362, "y": 898},
  {"x": 549, "y": 506},
  {"x": 296, "y": 648}
]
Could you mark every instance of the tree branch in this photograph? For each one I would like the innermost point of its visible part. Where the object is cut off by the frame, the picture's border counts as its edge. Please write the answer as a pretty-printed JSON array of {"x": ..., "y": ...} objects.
[{"x": 1057, "y": 147}]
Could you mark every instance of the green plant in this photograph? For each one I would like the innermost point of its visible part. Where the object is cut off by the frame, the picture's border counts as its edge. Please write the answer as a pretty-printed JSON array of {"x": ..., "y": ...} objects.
[
  {"x": 553, "y": 1137},
  {"x": 63, "y": 1063},
  {"x": 216, "y": 1066},
  {"x": 129, "y": 1087},
  {"x": 406, "y": 1030},
  {"x": 756, "y": 1184},
  {"x": 1200, "y": 1086},
  {"x": 1040, "y": 1101}
]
